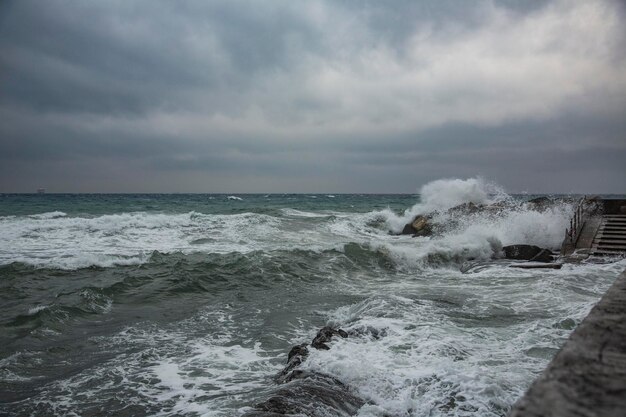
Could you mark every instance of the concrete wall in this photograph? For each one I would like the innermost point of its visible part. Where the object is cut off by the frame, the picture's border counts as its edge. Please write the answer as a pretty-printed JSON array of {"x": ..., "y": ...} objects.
[{"x": 587, "y": 377}]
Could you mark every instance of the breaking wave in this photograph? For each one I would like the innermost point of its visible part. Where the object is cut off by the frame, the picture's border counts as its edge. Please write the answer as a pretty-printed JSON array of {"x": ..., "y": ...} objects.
[{"x": 55, "y": 239}]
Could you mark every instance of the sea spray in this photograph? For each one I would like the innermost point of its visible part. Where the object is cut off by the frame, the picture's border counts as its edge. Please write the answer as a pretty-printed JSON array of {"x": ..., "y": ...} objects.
[{"x": 473, "y": 219}]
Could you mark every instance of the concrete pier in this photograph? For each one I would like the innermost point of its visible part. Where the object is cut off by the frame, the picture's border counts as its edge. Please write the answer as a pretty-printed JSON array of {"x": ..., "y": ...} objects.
[{"x": 587, "y": 377}]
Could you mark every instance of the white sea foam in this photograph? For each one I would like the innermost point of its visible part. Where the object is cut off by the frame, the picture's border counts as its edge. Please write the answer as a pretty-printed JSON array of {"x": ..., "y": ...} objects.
[
  {"x": 234, "y": 197},
  {"x": 169, "y": 370},
  {"x": 300, "y": 213},
  {"x": 34, "y": 310},
  {"x": 49, "y": 215},
  {"x": 473, "y": 355},
  {"x": 128, "y": 238}
]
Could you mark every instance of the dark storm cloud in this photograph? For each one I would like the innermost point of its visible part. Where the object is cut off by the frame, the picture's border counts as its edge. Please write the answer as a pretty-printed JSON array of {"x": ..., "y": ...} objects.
[{"x": 311, "y": 96}]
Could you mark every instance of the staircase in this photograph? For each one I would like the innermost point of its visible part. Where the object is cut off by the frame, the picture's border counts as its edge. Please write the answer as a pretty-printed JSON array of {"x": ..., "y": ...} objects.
[{"x": 610, "y": 238}]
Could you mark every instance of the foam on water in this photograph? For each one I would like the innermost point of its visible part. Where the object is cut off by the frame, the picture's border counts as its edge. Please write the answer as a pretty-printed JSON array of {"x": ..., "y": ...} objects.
[
  {"x": 127, "y": 238},
  {"x": 166, "y": 371},
  {"x": 417, "y": 357}
]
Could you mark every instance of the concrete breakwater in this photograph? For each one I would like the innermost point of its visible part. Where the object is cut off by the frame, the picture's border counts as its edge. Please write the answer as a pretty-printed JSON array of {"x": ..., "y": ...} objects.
[{"x": 587, "y": 377}]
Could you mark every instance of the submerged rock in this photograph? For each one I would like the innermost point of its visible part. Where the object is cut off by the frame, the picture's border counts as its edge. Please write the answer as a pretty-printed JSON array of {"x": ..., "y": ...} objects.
[{"x": 527, "y": 253}]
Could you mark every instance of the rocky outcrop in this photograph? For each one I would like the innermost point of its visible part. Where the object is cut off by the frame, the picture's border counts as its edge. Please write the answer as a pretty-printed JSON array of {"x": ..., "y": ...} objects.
[
  {"x": 540, "y": 203},
  {"x": 420, "y": 226},
  {"x": 465, "y": 208},
  {"x": 544, "y": 255},
  {"x": 309, "y": 393},
  {"x": 527, "y": 253},
  {"x": 325, "y": 335}
]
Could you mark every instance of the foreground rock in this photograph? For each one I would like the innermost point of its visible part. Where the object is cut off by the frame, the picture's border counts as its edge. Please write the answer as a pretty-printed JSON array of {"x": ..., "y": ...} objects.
[
  {"x": 527, "y": 253},
  {"x": 309, "y": 393}
]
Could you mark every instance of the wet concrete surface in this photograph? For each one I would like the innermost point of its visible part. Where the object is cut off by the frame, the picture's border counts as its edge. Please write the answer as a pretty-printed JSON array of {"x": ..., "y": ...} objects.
[{"x": 587, "y": 377}]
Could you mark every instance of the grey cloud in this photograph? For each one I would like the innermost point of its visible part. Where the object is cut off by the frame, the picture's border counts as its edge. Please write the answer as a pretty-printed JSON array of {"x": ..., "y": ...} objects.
[{"x": 351, "y": 94}]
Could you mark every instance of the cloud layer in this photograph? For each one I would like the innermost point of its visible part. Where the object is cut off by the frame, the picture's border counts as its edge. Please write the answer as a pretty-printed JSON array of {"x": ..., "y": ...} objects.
[{"x": 349, "y": 96}]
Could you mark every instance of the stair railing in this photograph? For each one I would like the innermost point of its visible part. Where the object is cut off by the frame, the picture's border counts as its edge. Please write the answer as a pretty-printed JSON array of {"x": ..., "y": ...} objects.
[{"x": 577, "y": 221}]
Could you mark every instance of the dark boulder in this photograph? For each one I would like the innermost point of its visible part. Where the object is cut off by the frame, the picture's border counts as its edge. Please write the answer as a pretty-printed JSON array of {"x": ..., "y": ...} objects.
[
  {"x": 309, "y": 393},
  {"x": 325, "y": 335},
  {"x": 420, "y": 226},
  {"x": 544, "y": 256},
  {"x": 525, "y": 252},
  {"x": 540, "y": 203},
  {"x": 465, "y": 208},
  {"x": 296, "y": 356}
]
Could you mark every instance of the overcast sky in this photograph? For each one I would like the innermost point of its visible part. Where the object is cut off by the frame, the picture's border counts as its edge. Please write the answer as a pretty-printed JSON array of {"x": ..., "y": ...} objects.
[{"x": 311, "y": 96}]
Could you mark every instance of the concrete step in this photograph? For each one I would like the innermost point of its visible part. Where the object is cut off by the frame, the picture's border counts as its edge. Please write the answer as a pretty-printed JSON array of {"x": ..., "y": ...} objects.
[
  {"x": 621, "y": 239},
  {"x": 619, "y": 248},
  {"x": 611, "y": 232},
  {"x": 608, "y": 253},
  {"x": 604, "y": 242}
]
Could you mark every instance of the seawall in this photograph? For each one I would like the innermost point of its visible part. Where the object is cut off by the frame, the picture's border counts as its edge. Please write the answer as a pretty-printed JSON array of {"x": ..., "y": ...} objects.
[{"x": 587, "y": 377}]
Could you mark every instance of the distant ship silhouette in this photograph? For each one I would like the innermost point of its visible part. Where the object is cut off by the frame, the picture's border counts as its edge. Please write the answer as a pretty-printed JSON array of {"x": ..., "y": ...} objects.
[{"x": 41, "y": 190}]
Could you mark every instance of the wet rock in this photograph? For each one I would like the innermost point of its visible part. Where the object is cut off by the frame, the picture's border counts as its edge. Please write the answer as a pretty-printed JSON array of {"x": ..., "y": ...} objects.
[
  {"x": 369, "y": 331},
  {"x": 521, "y": 252},
  {"x": 420, "y": 226},
  {"x": 298, "y": 351},
  {"x": 544, "y": 255},
  {"x": 325, "y": 335},
  {"x": 540, "y": 203},
  {"x": 296, "y": 356},
  {"x": 311, "y": 394},
  {"x": 465, "y": 208}
]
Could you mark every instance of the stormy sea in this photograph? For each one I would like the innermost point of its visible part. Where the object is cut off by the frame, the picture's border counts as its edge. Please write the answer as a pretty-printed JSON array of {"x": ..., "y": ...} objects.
[{"x": 175, "y": 304}]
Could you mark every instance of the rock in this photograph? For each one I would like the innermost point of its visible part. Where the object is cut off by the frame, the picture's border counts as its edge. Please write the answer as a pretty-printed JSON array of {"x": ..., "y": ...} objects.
[
  {"x": 308, "y": 393},
  {"x": 407, "y": 230},
  {"x": 418, "y": 227},
  {"x": 298, "y": 351},
  {"x": 325, "y": 335},
  {"x": 540, "y": 203},
  {"x": 296, "y": 356},
  {"x": 543, "y": 256},
  {"x": 538, "y": 265},
  {"x": 465, "y": 208},
  {"x": 522, "y": 252},
  {"x": 311, "y": 394}
]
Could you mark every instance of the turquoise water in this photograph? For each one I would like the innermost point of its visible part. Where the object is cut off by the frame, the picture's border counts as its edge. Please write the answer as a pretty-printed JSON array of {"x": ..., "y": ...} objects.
[{"x": 188, "y": 304}]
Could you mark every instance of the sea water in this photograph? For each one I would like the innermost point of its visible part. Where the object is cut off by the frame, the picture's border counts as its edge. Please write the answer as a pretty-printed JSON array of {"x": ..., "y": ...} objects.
[{"x": 132, "y": 305}]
